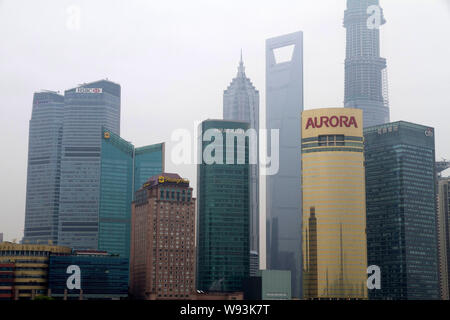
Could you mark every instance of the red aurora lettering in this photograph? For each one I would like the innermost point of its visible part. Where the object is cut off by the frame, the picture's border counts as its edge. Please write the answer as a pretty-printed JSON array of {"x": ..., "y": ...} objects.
[{"x": 333, "y": 122}]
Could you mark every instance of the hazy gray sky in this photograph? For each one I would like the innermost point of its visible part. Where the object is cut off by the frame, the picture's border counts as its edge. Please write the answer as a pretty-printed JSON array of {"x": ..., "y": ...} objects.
[{"x": 175, "y": 58}]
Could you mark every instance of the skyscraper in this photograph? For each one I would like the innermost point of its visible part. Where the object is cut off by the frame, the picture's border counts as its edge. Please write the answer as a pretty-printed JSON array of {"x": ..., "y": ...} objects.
[
  {"x": 223, "y": 206},
  {"x": 44, "y": 166},
  {"x": 365, "y": 71},
  {"x": 444, "y": 236},
  {"x": 148, "y": 162},
  {"x": 284, "y": 105},
  {"x": 334, "y": 205},
  {"x": 81, "y": 174},
  {"x": 87, "y": 109},
  {"x": 401, "y": 210},
  {"x": 122, "y": 167},
  {"x": 163, "y": 239},
  {"x": 241, "y": 102}
]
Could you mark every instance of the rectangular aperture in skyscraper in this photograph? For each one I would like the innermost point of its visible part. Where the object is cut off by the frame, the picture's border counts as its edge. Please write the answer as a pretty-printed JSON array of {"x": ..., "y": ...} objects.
[{"x": 284, "y": 105}]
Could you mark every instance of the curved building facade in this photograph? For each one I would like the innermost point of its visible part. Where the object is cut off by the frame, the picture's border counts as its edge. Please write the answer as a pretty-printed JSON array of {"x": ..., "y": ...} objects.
[{"x": 334, "y": 210}]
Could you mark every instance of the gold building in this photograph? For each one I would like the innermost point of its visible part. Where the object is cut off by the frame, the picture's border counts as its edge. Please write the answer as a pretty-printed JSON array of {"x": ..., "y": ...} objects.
[
  {"x": 334, "y": 204},
  {"x": 30, "y": 263}
]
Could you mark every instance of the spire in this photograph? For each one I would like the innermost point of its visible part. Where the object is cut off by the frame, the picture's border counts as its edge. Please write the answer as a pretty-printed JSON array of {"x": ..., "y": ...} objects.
[{"x": 241, "y": 69}]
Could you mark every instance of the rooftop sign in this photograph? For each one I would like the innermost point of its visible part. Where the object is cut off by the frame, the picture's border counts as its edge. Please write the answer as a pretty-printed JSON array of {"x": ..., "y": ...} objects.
[
  {"x": 89, "y": 90},
  {"x": 331, "y": 122}
]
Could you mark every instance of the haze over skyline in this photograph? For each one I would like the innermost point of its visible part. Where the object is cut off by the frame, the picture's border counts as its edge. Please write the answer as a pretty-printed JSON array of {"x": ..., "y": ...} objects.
[{"x": 174, "y": 59}]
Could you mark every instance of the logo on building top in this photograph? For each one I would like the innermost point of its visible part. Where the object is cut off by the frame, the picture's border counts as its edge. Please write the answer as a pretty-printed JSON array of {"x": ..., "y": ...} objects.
[
  {"x": 162, "y": 179},
  {"x": 89, "y": 90},
  {"x": 429, "y": 132},
  {"x": 106, "y": 135},
  {"x": 333, "y": 122}
]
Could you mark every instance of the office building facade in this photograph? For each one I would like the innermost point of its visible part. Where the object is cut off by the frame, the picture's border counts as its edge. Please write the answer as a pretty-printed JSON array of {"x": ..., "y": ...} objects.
[
  {"x": 268, "y": 285},
  {"x": 223, "y": 206},
  {"x": 122, "y": 167},
  {"x": 254, "y": 263},
  {"x": 87, "y": 109},
  {"x": 101, "y": 276},
  {"x": 7, "y": 280},
  {"x": 163, "y": 240},
  {"x": 401, "y": 210},
  {"x": 29, "y": 263},
  {"x": 366, "y": 85},
  {"x": 116, "y": 194},
  {"x": 241, "y": 102},
  {"x": 284, "y": 105},
  {"x": 81, "y": 174},
  {"x": 44, "y": 166},
  {"x": 334, "y": 208},
  {"x": 443, "y": 221}
]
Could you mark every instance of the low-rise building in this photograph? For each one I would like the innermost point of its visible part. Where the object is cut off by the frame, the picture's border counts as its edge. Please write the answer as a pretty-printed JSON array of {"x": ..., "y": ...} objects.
[
  {"x": 30, "y": 267},
  {"x": 268, "y": 285},
  {"x": 88, "y": 275}
]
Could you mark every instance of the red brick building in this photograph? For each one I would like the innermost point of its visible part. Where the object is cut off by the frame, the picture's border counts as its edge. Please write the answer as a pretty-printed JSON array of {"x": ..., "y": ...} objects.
[{"x": 162, "y": 258}]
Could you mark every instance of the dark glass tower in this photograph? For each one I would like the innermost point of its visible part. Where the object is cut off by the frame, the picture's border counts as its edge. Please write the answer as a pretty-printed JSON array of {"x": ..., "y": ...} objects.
[
  {"x": 223, "y": 259},
  {"x": 365, "y": 71},
  {"x": 401, "y": 210},
  {"x": 241, "y": 102},
  {"x": 44, "y": 166}
]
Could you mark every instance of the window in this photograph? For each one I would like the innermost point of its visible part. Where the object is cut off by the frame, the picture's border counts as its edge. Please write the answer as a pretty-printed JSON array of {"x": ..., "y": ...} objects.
[{"x": 331, "y": 140}]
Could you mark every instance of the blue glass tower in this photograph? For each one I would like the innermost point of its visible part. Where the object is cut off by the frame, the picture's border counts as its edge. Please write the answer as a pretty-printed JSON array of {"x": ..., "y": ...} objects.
[
  {"x": 44, "y": 166},
  {"x": 81, "y": 174},
  {"x": 116, "y": 191},
  {"x": 87, "y": 109},
  {"x": 122, "y": 168},
  {"x": 148, "y": 162}
]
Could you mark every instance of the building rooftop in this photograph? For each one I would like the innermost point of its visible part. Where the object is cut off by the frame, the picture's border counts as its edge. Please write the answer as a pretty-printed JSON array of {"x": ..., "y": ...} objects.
[{"x": 171, "y": 177}]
